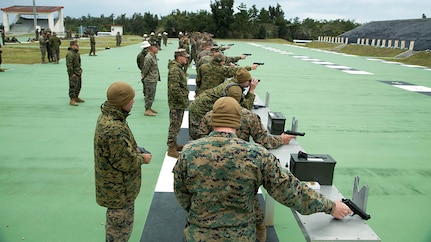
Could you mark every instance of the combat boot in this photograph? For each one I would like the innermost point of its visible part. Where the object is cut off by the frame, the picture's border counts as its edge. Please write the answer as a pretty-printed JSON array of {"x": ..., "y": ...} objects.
[
  {"x": 152, "y": 110},
  {"x": 79, "y": 100},
  {"x": 172, "y": 151},
  {"x": 261, "y": 232},
  {"x": 149, "y": 113},
  {"x": 73, "y": 102}
]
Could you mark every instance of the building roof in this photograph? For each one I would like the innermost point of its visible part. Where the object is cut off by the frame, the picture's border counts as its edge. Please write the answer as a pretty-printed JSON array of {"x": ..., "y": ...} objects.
[{"x": 29, "y": 9}]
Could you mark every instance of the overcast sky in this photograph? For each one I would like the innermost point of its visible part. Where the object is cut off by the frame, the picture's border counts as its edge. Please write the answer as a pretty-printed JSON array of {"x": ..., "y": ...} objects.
[{"x": 361, "y": 11}]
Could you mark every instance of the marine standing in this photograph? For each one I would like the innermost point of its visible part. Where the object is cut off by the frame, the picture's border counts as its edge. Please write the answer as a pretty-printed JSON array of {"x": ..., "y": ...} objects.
[
  {"x": 178, "y": 98},
  {"x": 54, "y": 44},
  {"x": 92, "y": 44},
  {"x": 118, "y": 39},
  {"x": 117, "y": 162},
  {"x": 73, "y": 64},
  {"x": 150, "y": 75},
  {"x": 43, "y": 46}
]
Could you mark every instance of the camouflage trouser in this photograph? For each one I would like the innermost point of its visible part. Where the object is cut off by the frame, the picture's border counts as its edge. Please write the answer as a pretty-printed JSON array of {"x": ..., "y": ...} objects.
[
  {"x": 175, "y": 120},
  {"x": 243, "y": 233},
  {"x": 43, "y": 52},
  {"x": 194, "y": 122},
  {"x": 119, "y": 223},
  {"x": 55, "y": 54},
  {"x": 74, "y": 86},
  {"x": 149, "y": 93},
  {"x": 92, "y": 49}
]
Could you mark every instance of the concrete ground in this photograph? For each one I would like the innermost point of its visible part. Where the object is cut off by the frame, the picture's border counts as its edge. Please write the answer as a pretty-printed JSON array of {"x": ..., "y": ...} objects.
[{"x": 350, "y": 107}]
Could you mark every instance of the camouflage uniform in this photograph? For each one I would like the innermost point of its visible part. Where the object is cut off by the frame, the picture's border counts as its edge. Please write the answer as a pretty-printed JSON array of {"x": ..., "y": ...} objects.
[
  {"x": 118, "y": 39},
  {"x": 178, "y": 99},
  {"x": 117, "y": 164},
  {"x": 92, "y": 44},
  {"x": 54, "y": 44},
  {"x": 213, "y": 74},
  {"x": 141, "y": 58},
  {"x": 251, "y": 125},
  {"x": 216, "y": 179},
  {"x": 151, "y": 75},
  {"x": 204, "y": 103},
  {"x": 42, "y": 44},
  {"x": 165, "y": 39},
  {"x": 73, "y": 64}
]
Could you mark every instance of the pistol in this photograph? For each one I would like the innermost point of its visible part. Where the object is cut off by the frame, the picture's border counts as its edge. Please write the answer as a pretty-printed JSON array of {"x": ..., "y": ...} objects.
[
  {"x": 294, "y": 133},
  {"x": 143, "y": 150},
  {"x": 355, "y": 209},
  {"x": 247, "y": 54},
  {"x": 258, "y": 63}
]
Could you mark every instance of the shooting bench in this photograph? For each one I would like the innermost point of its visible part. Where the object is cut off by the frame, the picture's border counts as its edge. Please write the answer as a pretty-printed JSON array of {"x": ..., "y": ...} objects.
[{"x": 319, "y": 226}]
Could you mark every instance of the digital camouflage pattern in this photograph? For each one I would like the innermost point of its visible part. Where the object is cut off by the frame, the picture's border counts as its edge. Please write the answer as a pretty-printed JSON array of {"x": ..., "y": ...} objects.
[
  {"x": 205, "y": 101},
  {"x": 141, "y": 58},
  {"x": 213, "y": 74},
  {"x": 150, "y": 68},
  {"x": 150, "y": 76},
  {"x": 73, "y": 64},
  {"x": 251, "y": 126},
  {"x": 216, "y": 179},
  {"x": 119, "y": 224},
  {"x": 178, "y": 99},
  {"x": 117, "y": 162}
]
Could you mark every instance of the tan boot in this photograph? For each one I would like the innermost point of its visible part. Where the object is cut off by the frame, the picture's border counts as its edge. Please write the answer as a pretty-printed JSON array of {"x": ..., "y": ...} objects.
[
  {"x": 152, "y": 110},
  {"x": 261, "y": 232},
  {"x": 149, "y": 113},
  {"x": 73, "y": 102},
  {"x": 172, "y": 151},
  {"x": 79, "y": 100},
  {"x": 179, "y": 147}
]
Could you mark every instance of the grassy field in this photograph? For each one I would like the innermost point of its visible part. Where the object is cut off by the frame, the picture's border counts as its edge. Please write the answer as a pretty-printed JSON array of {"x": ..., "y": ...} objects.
[{"x": 29, "y": 53}]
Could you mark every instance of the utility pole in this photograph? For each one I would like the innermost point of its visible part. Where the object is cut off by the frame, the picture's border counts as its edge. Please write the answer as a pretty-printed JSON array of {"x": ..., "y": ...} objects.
[{"x": 34, "y": 16}]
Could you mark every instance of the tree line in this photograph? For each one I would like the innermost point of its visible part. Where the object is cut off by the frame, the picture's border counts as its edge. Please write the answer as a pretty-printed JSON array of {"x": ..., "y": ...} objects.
[{"x": 222, "y": 21}]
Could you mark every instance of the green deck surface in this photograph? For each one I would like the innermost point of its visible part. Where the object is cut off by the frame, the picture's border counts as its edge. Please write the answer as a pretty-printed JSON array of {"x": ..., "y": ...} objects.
[{"x": 373, "y": 130}]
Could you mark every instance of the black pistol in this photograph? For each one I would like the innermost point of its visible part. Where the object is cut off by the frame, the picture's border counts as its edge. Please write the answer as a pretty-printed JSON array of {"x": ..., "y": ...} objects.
[
  {"x": 258, "y": 63},
  {"x": 355, "y": 209},
  {"x": 294, "y": 133},
  {"x": 143, "y": 150},
  {"x": 246, "y": 54}
]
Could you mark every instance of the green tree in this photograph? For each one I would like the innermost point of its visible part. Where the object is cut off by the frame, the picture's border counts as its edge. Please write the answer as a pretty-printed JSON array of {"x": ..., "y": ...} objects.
[{"x": 222, "y": 11}]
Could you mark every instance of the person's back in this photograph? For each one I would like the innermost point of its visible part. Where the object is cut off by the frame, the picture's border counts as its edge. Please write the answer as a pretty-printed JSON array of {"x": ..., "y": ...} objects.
[{"x": 223, "y": 189}]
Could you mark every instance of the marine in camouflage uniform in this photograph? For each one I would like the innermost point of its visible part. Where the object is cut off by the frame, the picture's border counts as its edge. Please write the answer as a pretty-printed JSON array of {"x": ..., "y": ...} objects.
[
  {"x": 214, "y": 73},
  {"x": 216, "y": 180},
  {"x": 204, "y": 102},
  {"x": 54, "y": 44},
  {"x": 92, "y": 44},
  {"x": 251, "y": 126},
  {"x": 150, "y": 76},
  {"x": 43, "y": 46},
  {"x": 178, "y": 98},
  {"x": 117, "y": 163},
  {"x": 73, "y": 64}
]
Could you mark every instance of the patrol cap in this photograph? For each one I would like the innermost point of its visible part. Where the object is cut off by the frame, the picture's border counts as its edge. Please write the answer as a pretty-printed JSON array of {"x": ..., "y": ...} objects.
[
  {"x": 242, "y": 75},
  {"x": 219, "y": 57},
  {"x": 226, "y": 113},
  {"x": 120, "y": 94},
  {"x": 215, "y": 48},
  {"x": 73, "y": 42},
  {"x": 145, "y": 44},
  {"x": 181, "y": 52}
]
